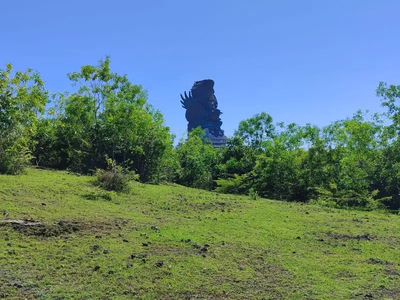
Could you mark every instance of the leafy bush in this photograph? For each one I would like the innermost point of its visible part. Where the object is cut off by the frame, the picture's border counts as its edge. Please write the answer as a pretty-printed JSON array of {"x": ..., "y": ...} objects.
[
  {"x": 335, "y": 198},
  {"x": 253, "y": 194},
  {"x": 13, "y": 161},
  {"x": 115, "y": 178},
  {"x": 235, "y": 185}
]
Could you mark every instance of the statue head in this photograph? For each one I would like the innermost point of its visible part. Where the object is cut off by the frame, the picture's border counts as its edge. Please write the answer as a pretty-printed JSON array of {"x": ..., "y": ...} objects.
[{"x": 203, "y": 88}]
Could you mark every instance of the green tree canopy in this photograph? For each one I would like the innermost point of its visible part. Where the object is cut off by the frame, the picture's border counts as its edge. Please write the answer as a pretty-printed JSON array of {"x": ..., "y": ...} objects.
[{"x": 22, "y": 100}]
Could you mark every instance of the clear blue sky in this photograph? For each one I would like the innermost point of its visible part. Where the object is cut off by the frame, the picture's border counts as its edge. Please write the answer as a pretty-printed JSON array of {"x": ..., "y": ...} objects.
[{"x": 304, "y": 61}]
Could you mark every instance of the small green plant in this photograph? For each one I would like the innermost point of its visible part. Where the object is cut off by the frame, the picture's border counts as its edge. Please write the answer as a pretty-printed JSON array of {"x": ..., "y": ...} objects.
[
  {"x": 114, "y": 178},
  {"x": 253, "y": 194},
  {"x": 99, "y": 195}
]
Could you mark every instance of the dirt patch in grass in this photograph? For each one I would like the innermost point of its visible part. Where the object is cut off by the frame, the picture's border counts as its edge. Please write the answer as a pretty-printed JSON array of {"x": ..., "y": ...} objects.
[
  {"x": 186, "y": 249},
  {"x": 377, "y": 261},
  {"x": 339, "y": 236},
  {"x": 60, "y": 228},
  {"x": 270, "y": 277},
  {"x": 198, "y": 294},
  {"x": 383, "y": 293},
  {"x": 32, "y": 228},
  {"x": 157, "y": 250},
  {"x": 251, "y": 277},
  {"x": 390, "y": 293},
  {"x": 391, "y": 271}
]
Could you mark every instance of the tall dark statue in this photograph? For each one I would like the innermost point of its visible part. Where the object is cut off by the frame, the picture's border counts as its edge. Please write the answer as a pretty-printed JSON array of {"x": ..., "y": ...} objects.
[{"x": 202, "y": 110}]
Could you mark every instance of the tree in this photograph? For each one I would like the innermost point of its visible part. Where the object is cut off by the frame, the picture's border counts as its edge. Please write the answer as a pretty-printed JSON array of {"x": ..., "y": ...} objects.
[
  {"x": 257, "y": 130},
  {"x": 342, "y": 162},
  {"x": 197, "y": 161},
  {"x": 22, "y": 99},
  {"x": 390, "y": 99},
  {"x": 236, "y": 158},
  {"x": 277, "y": 173},
  {"x": 389, "y": 162},
  {"x": 109, "y": 117}
]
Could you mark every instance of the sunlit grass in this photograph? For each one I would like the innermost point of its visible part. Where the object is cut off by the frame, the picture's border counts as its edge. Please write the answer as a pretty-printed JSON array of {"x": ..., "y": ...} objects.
[{"x": 171, "y": 242}]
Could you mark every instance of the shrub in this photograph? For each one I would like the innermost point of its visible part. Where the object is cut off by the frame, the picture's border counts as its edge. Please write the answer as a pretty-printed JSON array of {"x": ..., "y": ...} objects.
[
  {"x": 237, "y": 184},
  {"x": 253, "y": 194},
  {"x": 115, "y": 178},
  {"x": 13, "y": 162},
  {"x": 335, "y": 198}
]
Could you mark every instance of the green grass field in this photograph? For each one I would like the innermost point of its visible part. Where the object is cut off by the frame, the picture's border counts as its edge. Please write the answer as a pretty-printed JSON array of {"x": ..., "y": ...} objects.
[{"x": 172, "y": 242}]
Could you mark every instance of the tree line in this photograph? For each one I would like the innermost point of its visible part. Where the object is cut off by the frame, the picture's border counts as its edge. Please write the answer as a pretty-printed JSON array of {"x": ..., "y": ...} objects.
[{"x": 351, "y": 163}]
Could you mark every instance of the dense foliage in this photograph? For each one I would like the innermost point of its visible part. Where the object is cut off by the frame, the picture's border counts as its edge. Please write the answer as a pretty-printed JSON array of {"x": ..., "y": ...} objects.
[
  {"x": 107, "y": 117},
  {"x": 22, "y": 97},
  {"x": 351, "y": 163}
]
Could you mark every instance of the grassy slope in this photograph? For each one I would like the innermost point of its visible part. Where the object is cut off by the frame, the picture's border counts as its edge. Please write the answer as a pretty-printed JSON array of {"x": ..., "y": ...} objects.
[{"x": 258, "y": 249}]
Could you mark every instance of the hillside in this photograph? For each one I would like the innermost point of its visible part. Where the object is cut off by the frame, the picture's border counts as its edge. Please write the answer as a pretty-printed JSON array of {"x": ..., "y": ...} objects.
[{"x": 172, "y": 242}]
